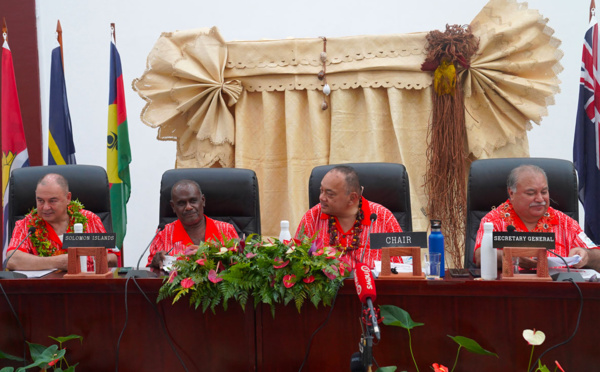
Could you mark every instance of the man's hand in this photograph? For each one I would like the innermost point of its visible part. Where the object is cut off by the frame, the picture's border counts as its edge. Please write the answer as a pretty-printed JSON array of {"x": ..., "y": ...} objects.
[
  {"x": 585, "y": 256},
  {"x": 527, "y": 263},
  {"x": 157, "y": 261}
]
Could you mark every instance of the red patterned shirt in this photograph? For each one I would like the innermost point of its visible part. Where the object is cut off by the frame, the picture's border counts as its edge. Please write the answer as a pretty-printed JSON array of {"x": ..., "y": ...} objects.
[
  {"x": 568, "y": 233},
  {"x": 176, "y": 238},
  {"x": 316, "y": 221},
  {"x": 94, "y": 225}
]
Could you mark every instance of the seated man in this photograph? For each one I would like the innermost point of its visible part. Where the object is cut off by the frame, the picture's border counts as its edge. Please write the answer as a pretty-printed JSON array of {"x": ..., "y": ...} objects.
[
  {"x": 55, "y": 215},
  {"x": 527, "y": 209},
  {"x": 191, "y": 226},
  {"x": 342, "y": 218}
]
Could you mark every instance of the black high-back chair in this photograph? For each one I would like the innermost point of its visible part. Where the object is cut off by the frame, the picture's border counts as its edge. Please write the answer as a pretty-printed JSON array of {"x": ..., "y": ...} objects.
[
  {"x": 487, "y": 189},
  {"x": 87, "y": 183},
  {"x": 231, "y": 196},
  {"x": 384, "y": 183}
]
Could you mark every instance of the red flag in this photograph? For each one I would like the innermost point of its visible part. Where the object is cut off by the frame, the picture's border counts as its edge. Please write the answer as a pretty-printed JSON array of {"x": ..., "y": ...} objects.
[{"x": 14, "y": 147}]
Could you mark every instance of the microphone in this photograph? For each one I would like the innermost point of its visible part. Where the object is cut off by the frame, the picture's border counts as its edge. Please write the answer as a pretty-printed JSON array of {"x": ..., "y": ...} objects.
[
  {"x": 568, "y": 276},
  {"x": 373, "y": 219},
  {"x": 137, "y": 273},
  {"x": 365, "y": 288},
  {"x": 10, "y": 274},
  {"x": 510, "y": 228}
]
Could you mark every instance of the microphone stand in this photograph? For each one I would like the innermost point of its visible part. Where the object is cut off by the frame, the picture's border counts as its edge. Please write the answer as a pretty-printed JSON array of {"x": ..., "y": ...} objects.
[
  {"x": 137, "y": 273},
  {"x": 366, "y": 344},
  {"x": 5, "y": 274},
  {"x": 371, "y": 327},
  {"x": 568, "y": 276}
]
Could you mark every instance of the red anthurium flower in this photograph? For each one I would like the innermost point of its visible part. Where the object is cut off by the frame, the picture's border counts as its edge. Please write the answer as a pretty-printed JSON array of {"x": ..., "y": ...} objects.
[
  {"x": 297, "y": 241},
  {"x": 309, "y": 279},
  {"x": 212, "y": 276},
  {"x": 318, "y": 252},
  {"x": 330, "y": 276},
  {"x": 50, "y": 364},
  {"x": 250, "y": 255},
  {"x": 242, "y": 246},
  {"x": 172, "y": 276},
  {"x": 280, "y": 264},
  {"x": 439, "y": 368},
  {"x": 289, "y": 280},
  {"x": 187, "y": 283},
  {"x": 201, "y": 261}
]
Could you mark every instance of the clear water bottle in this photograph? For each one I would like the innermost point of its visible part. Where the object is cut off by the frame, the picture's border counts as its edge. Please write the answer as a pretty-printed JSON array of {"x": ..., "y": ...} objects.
[
  {"x": 285, "y": 231},
  {"x": 436, "y": 243},
  {"x": 489, "y": 259}
]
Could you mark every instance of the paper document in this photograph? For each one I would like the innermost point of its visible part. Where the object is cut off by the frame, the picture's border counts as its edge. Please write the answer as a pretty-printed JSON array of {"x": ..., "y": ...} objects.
[
  {"x": 400, "y": 267},
  {"x": 35, "y": 273},
  {"x": 557, "y": 262}
]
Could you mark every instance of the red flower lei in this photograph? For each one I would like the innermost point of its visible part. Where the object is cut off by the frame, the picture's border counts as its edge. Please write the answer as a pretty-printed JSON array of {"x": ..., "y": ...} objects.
[
  {"x": 509, "y": 215},
  {"x": 334, "y": 239},
  {"x": 40, "y": 240}
]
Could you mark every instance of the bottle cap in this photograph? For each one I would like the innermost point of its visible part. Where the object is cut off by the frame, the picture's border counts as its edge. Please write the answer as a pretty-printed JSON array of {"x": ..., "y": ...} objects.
[
  {"x": 285, "y": 224},
  {"x": 436, "y": 224},
  {"x": 488, "y": 226},
  {"x": 78, "y": 228}
]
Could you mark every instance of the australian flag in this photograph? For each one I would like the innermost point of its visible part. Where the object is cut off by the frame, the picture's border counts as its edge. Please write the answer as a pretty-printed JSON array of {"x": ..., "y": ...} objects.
[{"x": 586, "y": 154}]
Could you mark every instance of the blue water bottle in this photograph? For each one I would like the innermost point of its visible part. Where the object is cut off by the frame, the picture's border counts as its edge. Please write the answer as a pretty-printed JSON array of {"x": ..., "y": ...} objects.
[{"x": 436, "y": 243}]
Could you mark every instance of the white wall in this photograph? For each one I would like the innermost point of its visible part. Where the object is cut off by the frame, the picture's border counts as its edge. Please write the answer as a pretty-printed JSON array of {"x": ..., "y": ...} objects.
[{"x": 86, "y": 36}]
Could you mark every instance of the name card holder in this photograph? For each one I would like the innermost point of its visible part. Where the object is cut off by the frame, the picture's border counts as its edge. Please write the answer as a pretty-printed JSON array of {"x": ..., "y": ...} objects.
[
  {"x": 386, "y": 267},
  {"x": 101, "y": 263},
  {"x": 542, "y": 273}
]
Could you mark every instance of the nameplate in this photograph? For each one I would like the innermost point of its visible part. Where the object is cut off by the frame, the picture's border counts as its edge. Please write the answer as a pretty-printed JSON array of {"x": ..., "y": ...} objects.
[
  {"x": 106, "y": 240},
  {"x": 399, "y": 239},
  {"x": 523, "y": 239}
]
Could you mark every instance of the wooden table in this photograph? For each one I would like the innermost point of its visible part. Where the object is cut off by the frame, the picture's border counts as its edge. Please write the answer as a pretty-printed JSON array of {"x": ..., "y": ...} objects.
[{"x": 493, "y": 313}]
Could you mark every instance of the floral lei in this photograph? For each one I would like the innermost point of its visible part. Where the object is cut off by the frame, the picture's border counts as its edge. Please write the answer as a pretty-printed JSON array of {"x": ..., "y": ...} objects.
[
  {"x": 40, "y": 240},
  {"x": 334, "y": 239},
  {"x": 510, "y": 216}
]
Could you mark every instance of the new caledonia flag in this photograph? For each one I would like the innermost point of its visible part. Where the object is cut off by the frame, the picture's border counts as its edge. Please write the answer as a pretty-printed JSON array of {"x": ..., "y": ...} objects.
[
  {"x": 117, "y": 147},
  {"x": 14, "y": 147},
  {"x": 586, "y": 147}
]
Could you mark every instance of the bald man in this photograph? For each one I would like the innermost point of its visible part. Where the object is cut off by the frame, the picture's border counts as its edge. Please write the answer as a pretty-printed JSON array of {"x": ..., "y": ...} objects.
[
  {"x": 528, "y": 210},
  {"x": 43, "y": 250}
]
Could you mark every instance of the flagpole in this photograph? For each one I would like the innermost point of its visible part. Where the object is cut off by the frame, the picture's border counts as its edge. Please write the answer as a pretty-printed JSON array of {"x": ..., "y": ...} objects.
[
  {"x": 60, "y": 42},
  {"x": 4, "y": 29}
]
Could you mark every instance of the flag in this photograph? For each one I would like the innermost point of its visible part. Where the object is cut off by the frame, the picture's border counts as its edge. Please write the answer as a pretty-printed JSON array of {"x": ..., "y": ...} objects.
[
  {"x": 118, "y": 153},
  {"x": 586, "y": 154},
  {"x": 61, "y": 149},
  {"x": 14, "y": 147}
]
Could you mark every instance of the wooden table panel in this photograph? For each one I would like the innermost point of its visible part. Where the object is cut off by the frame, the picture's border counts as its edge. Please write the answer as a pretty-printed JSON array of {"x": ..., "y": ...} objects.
[{"x": 493, "y": 313}]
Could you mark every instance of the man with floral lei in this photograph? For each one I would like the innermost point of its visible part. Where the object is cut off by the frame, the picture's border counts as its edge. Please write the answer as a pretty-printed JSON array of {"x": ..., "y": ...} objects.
[
  {"x": 54, "y": 216},
  {"x": 342, "y": 218},
  {"x": 528, "y": 210},
  {"x": 191, "y": 227}
]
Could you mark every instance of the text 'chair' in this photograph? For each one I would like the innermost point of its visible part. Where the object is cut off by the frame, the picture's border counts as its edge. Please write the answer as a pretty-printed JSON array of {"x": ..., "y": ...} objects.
[
  {"x": 87, "y": 183},
  {"x": 231, "y": 196},
  {"x": 487, "y": 189},
  {"x": 384, "y": 183}
]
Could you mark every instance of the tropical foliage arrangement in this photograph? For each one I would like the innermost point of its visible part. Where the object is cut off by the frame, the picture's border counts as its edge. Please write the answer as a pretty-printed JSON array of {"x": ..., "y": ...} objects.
[
  {"x": 395, "y": 316},
  {"x": 269, "y": 272},
  {"x": 45, "y": 358}
]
